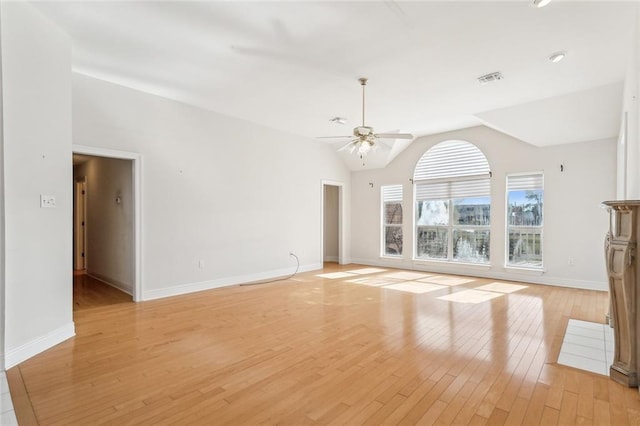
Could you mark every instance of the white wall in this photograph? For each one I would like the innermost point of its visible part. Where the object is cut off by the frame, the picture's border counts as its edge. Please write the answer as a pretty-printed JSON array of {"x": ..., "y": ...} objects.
[
  {"x": 574, "y": 223},
  {"x": 110, "y": 252},
  {"x": 2, "y": 212},
  {"x": 331, "y": 223},
  {"x": 234, "y": 195},
  {"x": 36, "y": 61},
  {"x": 628, "y": 184}
]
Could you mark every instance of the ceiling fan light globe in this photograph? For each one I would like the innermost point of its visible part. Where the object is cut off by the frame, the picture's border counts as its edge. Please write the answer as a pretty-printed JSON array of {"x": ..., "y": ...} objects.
[{"x": 364, "y": 148}]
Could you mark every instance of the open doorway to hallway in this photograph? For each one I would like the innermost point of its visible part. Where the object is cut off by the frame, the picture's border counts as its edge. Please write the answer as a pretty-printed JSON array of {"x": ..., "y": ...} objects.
[
  {"x": 104, "y": 232},
  {"x": 331, "y": 223}
]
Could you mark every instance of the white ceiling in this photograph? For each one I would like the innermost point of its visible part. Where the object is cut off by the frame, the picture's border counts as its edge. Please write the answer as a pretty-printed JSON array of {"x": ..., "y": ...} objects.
[{"x": 294, "y": 65}]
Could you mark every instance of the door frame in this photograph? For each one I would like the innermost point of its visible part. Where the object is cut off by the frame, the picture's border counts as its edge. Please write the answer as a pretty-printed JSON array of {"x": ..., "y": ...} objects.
[
  {"x": 79, "y": 196},
  {"x": 341, "y": 219},
  {"x": 136, "y": 160}
]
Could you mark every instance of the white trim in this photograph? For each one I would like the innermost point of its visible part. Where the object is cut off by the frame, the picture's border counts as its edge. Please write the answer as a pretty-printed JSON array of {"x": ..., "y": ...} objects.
[
  {"x": 341, "y": 219},
  {"x": 392, "y": 258},
  {"x": 111, "y": 282},
  {"x": 137, "y": 204},
  {"x": 331, "y": 259},
  {"x": 523, "y": 270},
  {"x": 223, "y": 282},
  {"x": 22, "y": 353},
  {"x": 486, "y": 272}
]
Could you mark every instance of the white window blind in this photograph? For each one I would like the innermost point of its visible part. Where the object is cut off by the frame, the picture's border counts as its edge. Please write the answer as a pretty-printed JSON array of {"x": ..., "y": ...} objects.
[
  {"x": 391, "y": 193},
  {"x": 451, "y": 159},
  {"x": 453, "y": 189},
  {"x": 525, "y": 182}
]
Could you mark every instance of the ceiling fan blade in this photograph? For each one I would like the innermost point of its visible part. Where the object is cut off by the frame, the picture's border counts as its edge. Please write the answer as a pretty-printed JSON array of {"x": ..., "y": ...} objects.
[
  {"x": 394, "y": 135},
  {"x": 345, "y": 146},
  {"x": 381, "y": 146},
  {"x": 334, "y": 137}
]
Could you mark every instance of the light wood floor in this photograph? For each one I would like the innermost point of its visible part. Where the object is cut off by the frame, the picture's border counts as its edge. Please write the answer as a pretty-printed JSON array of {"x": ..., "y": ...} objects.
[
  {"x": 319, "y": 350},
  {"x": 89, "y": 293}
]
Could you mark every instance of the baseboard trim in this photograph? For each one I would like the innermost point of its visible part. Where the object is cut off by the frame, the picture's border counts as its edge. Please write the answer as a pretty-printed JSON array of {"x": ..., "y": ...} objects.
[
  {"x": 22, "y": 353},
  {"x": 111, "y": 282},
  {"x": 331, "y": 258},
  {"x": 223, "y": 282},
  {"x": 484, "y": 272}
]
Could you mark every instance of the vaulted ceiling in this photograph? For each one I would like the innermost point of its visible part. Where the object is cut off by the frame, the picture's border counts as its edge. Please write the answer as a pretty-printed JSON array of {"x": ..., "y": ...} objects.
[{"x": 294, "y": 65}]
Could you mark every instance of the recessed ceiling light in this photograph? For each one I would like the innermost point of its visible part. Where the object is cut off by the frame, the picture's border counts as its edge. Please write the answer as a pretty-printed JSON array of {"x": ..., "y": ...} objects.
[
  {"x": 338, "y": 120},
  {"x": 541, "y": 3},
  {"x": 557, "y": 56}
]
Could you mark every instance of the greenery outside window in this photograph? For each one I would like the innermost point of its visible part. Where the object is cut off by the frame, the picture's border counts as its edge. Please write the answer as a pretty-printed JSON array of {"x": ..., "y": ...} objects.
[
  {"x": 392, "y": 220},
  {"x": 525, "y": 200}
]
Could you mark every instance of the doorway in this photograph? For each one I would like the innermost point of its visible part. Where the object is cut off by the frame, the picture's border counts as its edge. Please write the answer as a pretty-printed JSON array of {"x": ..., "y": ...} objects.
[
  {"x": 332, "y": 247},
  {"x": 106, "y": 227},
  {"x": 79, "y": 219}
]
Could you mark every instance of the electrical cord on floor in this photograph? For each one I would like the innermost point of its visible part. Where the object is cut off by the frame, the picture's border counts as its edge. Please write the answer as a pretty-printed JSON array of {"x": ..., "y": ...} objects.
[{"x": 278, "y": 279}]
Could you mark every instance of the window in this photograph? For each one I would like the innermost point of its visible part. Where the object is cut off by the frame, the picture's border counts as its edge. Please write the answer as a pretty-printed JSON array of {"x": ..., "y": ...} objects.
[
  {"x": 525, "y": 195},
  {"x": 392, "y": 220},
  {"x": 453, "y": 203}
]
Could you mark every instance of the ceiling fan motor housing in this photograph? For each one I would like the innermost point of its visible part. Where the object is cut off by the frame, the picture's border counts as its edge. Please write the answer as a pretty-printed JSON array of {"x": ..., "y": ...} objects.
[{"x": 361, "y": 131}]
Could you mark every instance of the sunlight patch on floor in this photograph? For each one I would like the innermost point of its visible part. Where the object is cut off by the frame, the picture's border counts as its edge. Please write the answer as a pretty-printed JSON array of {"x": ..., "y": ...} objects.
[
  {"x": 407, "y": 275},
  {"x": 415, "y": 287},
  {"x": 365, "y": 271},
  {"x": 444, "y": 280},
  {"x": 373, "y": 281},
  {"x": 336, "y": 275},
  {"x": 501, "y": 287},
  {"x": 471, "y": 296}
]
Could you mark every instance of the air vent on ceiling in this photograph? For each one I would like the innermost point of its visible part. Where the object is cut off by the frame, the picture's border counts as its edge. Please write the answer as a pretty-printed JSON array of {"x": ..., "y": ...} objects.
[{"x": 490, "y": 78}]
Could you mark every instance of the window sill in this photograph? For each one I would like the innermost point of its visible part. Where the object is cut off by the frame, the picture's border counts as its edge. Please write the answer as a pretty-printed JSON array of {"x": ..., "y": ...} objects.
[
  {"x": 483, "y": 266},
  {"x": 392, "y": 258}
]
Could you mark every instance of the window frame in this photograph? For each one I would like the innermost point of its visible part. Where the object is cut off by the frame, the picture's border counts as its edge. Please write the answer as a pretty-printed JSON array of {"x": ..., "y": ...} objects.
[
  {"x": 450, "y": 228},
  {"x": 508, "y": 227},
  {"x": 448, "y": 171},
  {"x": 385, "y": 225}
]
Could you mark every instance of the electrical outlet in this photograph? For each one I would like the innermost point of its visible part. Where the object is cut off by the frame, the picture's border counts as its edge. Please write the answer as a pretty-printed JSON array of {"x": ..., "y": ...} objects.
[
  {"x": 572, "y": 261},
  {"x": 201, "y": 264},
  {"x": 48, "y": 201}
]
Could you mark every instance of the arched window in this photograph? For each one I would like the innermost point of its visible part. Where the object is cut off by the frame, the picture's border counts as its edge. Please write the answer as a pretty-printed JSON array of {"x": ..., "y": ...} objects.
[{"x": 453, "y": 203}]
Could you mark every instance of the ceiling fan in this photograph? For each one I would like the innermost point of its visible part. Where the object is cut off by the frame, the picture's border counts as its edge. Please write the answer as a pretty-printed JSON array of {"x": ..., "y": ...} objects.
[{"x": 364, "y": 138}]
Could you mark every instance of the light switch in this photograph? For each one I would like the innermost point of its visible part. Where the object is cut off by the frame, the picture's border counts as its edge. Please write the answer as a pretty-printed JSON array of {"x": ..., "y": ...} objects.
[{"x": 48, "y": 201}]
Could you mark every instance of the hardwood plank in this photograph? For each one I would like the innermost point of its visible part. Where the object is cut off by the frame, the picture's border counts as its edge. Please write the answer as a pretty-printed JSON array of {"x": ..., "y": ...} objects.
[
  {"x": 550, "y": 416},
  {"x": 20, "y": 398},
  {"x": 568, "y": 408},
  {"x": 535, "y": 408},
  {"x": 317, "y": 350}
]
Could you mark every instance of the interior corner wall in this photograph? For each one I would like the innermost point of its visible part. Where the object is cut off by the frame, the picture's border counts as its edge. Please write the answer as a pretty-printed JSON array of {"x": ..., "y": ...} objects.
[
  {"x": 2, "y": 212},
  {"x": 331, "y": 223},
  {"x": 574, "y": 223},
  {"x": 224, "y": 200},
  {"x": 110, "y": 253},
  {"x": 628, "y": 184},
  {"x": 36, "y": 72}
]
